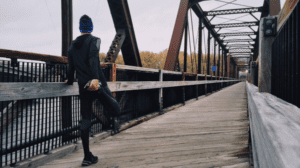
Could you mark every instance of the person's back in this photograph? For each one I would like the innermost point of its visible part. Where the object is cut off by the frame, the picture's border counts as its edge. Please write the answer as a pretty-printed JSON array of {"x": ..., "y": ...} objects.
[{"x": 83, "y": 56}]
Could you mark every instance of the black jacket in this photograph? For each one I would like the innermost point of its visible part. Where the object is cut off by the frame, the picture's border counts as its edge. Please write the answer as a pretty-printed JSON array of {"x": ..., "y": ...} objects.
[{"x": 83, "y": 56}]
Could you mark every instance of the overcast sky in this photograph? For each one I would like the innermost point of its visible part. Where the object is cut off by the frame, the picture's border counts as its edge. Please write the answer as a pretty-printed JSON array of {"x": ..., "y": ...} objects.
[{"x": 35, "y": 25}]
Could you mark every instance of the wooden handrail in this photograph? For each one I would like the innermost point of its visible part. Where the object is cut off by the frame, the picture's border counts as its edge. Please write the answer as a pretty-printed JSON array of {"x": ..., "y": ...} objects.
[
  {"x": 274, "y": 126},
  {"x": 28, "y": 90}
]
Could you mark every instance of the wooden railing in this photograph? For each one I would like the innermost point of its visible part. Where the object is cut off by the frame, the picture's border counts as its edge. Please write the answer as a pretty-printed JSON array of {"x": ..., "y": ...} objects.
[{"x": 275, "y": 130}]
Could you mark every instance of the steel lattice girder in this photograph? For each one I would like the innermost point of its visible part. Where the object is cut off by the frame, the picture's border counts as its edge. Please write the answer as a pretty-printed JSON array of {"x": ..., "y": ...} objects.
[
  {"x": 176, "y": 38},
  {"x": 240, "y": 45},
  {"x": 232, "y": 53},
  {"x": 242, "y": 57},
  {"x": 244, "y": 24},
  {"x": 122, "y": 20},
  {"x": 238, "y": 34},
  {"x": 240, "y": 50},
  {"x": 233, "y": 11},
  {"x": 238, "y": 40},
  {"x": 241, "y": 54}
]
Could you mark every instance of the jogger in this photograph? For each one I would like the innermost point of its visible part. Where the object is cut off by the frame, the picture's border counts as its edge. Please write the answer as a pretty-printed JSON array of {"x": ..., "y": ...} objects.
[{"x": 83, "y": 56}]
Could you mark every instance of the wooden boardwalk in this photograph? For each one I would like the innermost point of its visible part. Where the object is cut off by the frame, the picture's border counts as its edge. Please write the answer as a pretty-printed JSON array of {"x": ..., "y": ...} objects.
[{"x": 209, "y": 132}]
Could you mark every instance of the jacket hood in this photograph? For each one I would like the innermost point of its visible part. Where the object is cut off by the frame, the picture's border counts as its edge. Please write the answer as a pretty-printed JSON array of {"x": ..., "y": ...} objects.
[{"x": 78, "y": 42}]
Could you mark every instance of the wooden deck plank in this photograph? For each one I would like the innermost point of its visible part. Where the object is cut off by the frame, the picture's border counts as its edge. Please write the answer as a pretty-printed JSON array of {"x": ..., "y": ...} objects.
[{"x": 211, "y": 132}]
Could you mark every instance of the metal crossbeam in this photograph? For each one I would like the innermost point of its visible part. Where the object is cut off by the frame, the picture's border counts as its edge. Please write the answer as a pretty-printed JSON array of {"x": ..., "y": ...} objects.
[
  {"x": 237, "y": 34},
  {"x": 242, "y": 57},
  {"x": 238, "y": 40},
  {"x": 244, "y": 24},
  {"x": 233, "y": 11},
  {"x": 239, "y": 53},
  {"x": 240, "y": 50},
  {"x": 231, "y": 53}
]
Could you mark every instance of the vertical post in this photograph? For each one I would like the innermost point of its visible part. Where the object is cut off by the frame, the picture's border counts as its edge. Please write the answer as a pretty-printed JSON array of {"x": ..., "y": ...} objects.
[
  {"x": 205, "y": 88},
  {"x": 183, "y": 89},
  {"x": 196, "y": 87},
  {"x": 113, "y": 78},
  {"x": 226, "y": 64},
  {"x": 219, "y": 53},
  {"x": 160, "y": 92},
  {"x": 236, "y": 71},
  {"x": 200, "y": 45},
  {"x": 215, "y": 45},
  {"x": 208, "y": 54},
  {"x": 113, "y": 75},
  {"x": 67, "y": 25},
  {"x": 67, "y": 36},
  {"x": 222, "y": 68},
  {"x": 264, "y": 63},
  {"x": 185, "y": 44}
]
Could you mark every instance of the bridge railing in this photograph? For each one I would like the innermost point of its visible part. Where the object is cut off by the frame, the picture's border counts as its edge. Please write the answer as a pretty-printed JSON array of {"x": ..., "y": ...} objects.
[
  {"x": 285, "y": 78},
  {"x": 274, "y": 126},
  {"x": 40, "y": 113}
]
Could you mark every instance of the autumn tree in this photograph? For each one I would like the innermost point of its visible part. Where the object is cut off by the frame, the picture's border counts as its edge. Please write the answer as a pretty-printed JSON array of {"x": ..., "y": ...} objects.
[{"x": 157, "y": 61}]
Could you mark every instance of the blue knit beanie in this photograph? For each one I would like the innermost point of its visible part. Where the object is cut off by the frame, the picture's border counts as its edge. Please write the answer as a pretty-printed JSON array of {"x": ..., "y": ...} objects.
[{"x": 85, "y": 24}]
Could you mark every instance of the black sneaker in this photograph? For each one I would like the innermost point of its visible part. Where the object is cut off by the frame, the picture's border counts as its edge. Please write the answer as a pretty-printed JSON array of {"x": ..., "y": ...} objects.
[
  {"x": 91, "y": 160},
  {"x": 116, "y": 126}
]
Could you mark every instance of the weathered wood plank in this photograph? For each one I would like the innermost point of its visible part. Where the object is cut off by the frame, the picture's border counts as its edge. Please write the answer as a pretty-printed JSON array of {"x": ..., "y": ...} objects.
[
  {"x": 25, "y": 90},
  {"x": 285, "y": 12},
  {"x": 275, "y": 126},
  {"x": 210, "y": 132}
]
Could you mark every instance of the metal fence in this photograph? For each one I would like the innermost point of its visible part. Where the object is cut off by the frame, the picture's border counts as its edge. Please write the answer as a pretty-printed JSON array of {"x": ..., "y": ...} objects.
[
  {"x": 286, "y": 62},
  {"x": 30, "y": 127},
  {"x": 35, "y": 126}
]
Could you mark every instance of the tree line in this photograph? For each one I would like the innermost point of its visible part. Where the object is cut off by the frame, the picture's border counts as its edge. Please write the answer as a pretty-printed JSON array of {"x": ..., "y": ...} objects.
[{"x": 157, "y": 60}]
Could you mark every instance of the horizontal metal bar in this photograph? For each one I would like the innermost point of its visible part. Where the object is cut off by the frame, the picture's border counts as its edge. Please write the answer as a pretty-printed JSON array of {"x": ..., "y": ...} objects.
[
  {"x": 241, "y": 49},
  {"x": 238, "y": 53},
  {"x": 238, "y": 40},
  {"x": 26, "y": 90},
  {"x": 241, "y": 57},
  {"x": 238, "y": 34},
  {"x": 244, "y": 24},
  {"x": 233, "y": 11}
]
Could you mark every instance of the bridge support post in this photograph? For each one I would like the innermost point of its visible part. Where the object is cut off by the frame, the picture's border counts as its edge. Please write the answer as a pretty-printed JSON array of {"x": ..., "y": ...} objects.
[
  {"x": 196, "y": 87},
  {"x": 185, "y": 45},
  {"x": 67, "y": 36},
  {"x": 252, "y": 72},
  {"x": 265, "y": 59},
  {"x": 208, "y": 54},
  {"x": 183, "y": 89},
  {"x": 200, "y": 45},
  {"x": 160, "y": 93},
  {"x": 205, "y": 88}
]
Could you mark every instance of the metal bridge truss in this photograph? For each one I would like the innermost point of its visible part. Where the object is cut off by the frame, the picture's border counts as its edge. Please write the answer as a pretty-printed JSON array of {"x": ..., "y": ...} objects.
[
  {"x": 226, "y": 47},
  {"x": 238, "y": 34},
  {"x": 233, "y": 11},
  {"x": 244, "y": 24}
]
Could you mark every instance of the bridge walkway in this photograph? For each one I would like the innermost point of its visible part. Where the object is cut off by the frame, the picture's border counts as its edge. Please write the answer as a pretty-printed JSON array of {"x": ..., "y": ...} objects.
[{"x": 209, "y": 132}]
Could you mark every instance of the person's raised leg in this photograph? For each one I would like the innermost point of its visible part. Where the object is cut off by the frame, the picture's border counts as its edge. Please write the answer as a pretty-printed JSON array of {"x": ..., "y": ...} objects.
[{"x": 111, "y": 105}]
